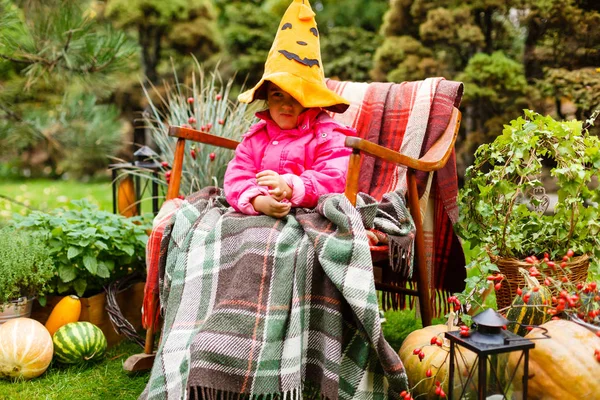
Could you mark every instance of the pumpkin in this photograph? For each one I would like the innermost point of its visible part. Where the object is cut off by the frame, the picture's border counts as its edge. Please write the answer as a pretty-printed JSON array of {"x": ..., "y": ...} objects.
[
  {"x": 533, "y": 312},
  {"x": 65, "y": 311},
  {"x": 79, "y": 342},
  {"x": 563, "y": 366},
  {"x": 25, "y": 349},
  {"x": 436, "y": 359}
]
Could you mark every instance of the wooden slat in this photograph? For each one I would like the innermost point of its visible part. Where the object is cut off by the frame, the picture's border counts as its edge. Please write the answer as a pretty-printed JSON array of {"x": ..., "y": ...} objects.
[
  {"x": 202, "y": 137},
  {"x": 421, "y": 260},
  {"x": 386, "y": 287},
  {"x": 441, "y": 150},
  {"x": 173, "y": 190},
  {"x": 352, "y": 176}
]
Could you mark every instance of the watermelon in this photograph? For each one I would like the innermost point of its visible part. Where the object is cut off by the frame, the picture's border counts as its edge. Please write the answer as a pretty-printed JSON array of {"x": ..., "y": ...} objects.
[
  {"x": 522, "y": 315},
  {"x": 78, "y": 342}
]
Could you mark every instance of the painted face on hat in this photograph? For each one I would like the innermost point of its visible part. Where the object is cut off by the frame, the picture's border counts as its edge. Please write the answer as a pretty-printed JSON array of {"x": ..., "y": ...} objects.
[
  {"x": 300, "y": 41},
  {"x": 297, "y": 42}
]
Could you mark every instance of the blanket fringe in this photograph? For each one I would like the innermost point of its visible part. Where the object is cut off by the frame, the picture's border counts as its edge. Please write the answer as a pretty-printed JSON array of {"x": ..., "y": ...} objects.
[{"x": 206, "y": 393}]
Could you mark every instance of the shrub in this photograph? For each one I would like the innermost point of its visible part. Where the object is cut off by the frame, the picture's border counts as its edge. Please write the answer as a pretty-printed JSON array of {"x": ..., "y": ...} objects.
[
  {"x": 25, "y": 265},
  {"x": 203, "y": 105},
  {"x": 348, "y": 52},
  {"x": 89, "y": 247}
]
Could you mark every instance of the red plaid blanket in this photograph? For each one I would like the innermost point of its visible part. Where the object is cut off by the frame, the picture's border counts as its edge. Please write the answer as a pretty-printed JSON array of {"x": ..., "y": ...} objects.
[
  {"x": 153, "y": 253},
  {"x": 393, "y": 116}
]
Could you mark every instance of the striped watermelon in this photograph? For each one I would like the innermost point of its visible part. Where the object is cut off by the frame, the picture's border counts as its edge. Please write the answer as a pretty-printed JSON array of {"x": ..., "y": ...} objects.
[
  {"x": 78, "y": 342},
  {"x": 520, "y": 315}
]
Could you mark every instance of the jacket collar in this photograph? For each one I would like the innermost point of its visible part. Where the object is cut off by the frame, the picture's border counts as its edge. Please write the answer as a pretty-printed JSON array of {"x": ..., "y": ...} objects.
[{"x": 306, "y": 121}]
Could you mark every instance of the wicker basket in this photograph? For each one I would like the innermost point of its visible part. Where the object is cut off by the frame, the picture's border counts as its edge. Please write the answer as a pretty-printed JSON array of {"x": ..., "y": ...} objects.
[{"x": 577, "y": 269}]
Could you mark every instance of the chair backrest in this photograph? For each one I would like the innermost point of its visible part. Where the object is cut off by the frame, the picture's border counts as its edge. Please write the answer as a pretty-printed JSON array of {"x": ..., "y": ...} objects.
[{"x": 392, "y": 115}]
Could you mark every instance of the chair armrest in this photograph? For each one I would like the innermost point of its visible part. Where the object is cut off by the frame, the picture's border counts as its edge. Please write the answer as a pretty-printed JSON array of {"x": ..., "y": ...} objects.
[
  {"x": 182, "y": 134},
  {"x": 202, "y": 137},
  {"x": 435, "y": 158}
]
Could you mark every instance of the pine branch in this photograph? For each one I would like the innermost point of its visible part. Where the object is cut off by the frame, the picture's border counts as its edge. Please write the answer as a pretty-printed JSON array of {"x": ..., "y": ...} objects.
[
  {"x": 31, "y": 59},
  {"x": 13, "y": 116}
]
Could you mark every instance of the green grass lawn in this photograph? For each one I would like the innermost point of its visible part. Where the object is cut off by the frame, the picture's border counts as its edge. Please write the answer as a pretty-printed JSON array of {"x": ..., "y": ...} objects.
[
  {"x": 45, "y": 194},
  {"x": 107, "y": 380},
  {"x": 102, "y": 380}
]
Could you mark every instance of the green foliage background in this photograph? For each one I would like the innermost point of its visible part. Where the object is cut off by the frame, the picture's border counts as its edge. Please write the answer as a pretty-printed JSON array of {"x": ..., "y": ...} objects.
[{"x": 63, "y": 62}]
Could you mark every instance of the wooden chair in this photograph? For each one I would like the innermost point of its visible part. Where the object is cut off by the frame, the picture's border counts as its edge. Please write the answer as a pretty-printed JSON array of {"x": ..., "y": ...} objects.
[{"x": 433, "y": 160}]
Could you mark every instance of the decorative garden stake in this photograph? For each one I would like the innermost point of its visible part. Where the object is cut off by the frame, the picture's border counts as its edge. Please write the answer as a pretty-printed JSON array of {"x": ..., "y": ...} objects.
[
  {"x": 144, "y": 161},
  {"x": 488, "y": 338}
]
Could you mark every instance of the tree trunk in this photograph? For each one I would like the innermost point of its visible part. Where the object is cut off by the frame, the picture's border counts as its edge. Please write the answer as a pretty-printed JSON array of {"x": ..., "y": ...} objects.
[
  {"x": 149, "y": 37},
  {"x": 535, "y": 30},
  {"x": 489, "y": 47}
]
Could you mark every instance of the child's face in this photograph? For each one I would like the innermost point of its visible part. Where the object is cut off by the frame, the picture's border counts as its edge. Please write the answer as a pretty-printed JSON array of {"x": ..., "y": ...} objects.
[{"x": 284, "y": 109}]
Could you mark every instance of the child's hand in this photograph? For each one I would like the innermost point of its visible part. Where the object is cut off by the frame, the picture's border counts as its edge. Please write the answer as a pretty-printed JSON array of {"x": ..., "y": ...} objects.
[
  {"x": 278, "y": 188},
  {"x": 269, "y": 206}
]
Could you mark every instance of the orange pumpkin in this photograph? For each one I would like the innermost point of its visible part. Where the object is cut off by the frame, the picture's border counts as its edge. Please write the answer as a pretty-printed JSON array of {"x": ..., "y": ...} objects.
[
  {"x": 26, "y": 349},
  {"x": 436, "y": 359},
  {"x": 562, "y": 367},
  {"x": 65, "y": 311}
]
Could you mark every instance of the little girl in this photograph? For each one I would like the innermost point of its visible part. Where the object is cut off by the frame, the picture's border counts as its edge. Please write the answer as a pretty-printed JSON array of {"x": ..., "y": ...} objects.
[
  {"x": 288, "y": 159},
  {"x": 296, "y": 152}
]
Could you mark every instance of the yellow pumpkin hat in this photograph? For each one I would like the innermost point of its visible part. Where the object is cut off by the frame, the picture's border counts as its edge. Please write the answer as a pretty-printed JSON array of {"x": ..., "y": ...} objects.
[{"x": 294, "y": 63}]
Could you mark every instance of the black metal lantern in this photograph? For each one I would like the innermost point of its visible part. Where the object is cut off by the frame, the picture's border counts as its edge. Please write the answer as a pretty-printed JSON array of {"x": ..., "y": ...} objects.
[
  {"x": 144, "y": 163},
  {"x": 487, "y": 339}
]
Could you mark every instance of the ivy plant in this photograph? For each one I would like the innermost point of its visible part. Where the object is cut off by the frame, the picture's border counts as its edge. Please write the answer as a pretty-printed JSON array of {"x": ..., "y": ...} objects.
[
  {"x": 499, "y": 203},
  {"x": 89, "y": 247}
]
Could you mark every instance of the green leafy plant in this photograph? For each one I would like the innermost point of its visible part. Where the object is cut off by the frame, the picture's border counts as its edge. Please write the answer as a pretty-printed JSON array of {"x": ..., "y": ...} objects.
[
  {"x": 89, "y": 247},
  {"x": 500, "y": 208},
  {"x": 25, "y": 265},
  {"x": 204, "y": 105}
]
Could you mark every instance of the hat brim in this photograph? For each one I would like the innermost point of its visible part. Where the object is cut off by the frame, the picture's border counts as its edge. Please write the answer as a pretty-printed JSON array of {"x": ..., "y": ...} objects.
[{"x": 308, "y": 93}]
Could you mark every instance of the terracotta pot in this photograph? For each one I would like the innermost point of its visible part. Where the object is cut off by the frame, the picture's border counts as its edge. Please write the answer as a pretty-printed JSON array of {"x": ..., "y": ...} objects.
[
  {"x": 93, "y": 309},
  {"x": 16, "y": 309}
]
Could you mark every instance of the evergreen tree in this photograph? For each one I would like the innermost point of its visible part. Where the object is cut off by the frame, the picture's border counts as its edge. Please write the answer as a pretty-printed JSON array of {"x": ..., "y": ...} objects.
[
  {"x": 348, "y": 52},
  {"x": 249, "y": 31},
  {"x": 55, "y": 62},
  {"x": 562, "y": 53},
  {"x": 185, "y": 26}
]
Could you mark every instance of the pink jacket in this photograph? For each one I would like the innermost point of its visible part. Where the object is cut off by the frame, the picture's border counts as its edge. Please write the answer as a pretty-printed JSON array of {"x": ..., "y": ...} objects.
[{"x": 311, "y": 158}]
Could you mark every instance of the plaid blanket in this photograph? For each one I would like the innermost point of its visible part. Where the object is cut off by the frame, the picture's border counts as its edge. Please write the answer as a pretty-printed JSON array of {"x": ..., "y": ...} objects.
[
  {"x": 393, "y": 115},
  {"x": 287, "y": 307}
]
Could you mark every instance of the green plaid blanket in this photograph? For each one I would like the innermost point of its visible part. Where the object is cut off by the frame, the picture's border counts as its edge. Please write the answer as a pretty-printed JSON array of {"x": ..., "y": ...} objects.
[{"x": 283, "y": 308}]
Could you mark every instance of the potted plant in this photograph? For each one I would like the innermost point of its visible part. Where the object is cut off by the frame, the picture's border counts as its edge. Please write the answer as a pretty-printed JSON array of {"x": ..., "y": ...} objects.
[
  {"x": 91, "y": 248},
  {"x": 503, "y": 203},
  {"x": 25, "y": 272}
]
